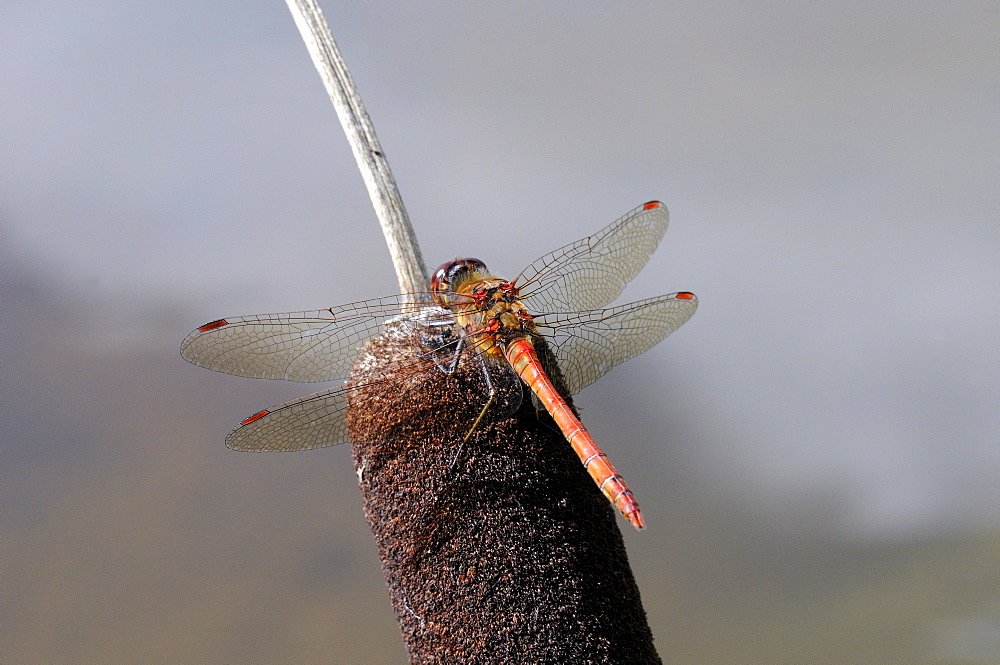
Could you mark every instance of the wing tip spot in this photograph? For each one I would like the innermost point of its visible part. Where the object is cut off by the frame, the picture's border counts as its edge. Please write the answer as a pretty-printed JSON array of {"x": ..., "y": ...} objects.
[
  {"x": 256, "y": 416},
  {"x": 213, "y": 325},
  {"x": 685, "y": 295},
  {"x": 649, "y": 205}
]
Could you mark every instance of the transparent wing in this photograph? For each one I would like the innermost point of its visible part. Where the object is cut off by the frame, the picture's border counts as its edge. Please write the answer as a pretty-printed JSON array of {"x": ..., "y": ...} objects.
[
  {"x": 321, "y": 419},
  {"x": 592, "y": 272},
  {"x": 318, "y": 345},
  {"x": 313, "y": 421},
  {"x": 588, "y": 344}
]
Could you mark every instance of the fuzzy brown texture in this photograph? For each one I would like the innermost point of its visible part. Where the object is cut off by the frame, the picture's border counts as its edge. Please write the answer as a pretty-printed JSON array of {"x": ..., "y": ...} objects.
[{"x": 498, "y": 550}]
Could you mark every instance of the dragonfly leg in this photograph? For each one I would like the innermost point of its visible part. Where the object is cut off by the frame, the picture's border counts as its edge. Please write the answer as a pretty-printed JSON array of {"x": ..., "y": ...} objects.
[
  {"x": 491, "y": 393},
  {"x": 448, "y": 365},
  {"x": 441, "y": 341}
]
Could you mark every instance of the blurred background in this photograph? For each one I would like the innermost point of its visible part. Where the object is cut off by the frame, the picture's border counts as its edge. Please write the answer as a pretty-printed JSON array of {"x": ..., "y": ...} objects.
[{"x": 817, "y": 452}]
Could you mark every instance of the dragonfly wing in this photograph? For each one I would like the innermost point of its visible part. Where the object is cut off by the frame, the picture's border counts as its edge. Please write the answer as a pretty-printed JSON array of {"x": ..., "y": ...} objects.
[
  {"x": 588, "y": 344},
  {"x": 318, "y": 345},
  {"x": 320, "y": 419},
  {"x": 592, "y": 272},
  {"x": 313, "y": 421}
]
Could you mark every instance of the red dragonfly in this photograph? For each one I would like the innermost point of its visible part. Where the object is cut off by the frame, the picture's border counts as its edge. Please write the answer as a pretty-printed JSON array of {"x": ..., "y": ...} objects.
[{"x": 467, "y": 315}]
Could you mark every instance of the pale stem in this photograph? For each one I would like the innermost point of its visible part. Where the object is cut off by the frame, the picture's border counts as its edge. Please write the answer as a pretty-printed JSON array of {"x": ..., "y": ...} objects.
[{"x": 399, "y": 236}]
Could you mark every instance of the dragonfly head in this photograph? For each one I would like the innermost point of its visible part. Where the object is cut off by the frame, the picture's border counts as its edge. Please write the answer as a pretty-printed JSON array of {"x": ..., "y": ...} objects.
[{"x": 447, "y": 278}]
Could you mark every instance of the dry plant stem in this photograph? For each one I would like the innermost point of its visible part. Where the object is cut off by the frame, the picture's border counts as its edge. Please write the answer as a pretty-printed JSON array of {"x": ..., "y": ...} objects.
[
  {"x": 496, "y": 550},
  {"x": 399, "y": 236}
]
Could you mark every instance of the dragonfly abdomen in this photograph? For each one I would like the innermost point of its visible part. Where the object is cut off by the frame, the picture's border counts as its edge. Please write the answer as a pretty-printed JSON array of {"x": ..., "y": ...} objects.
[{"x": 523, "y": 358}]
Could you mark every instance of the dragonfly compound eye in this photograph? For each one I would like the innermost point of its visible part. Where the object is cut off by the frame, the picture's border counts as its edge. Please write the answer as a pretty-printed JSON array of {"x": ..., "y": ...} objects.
[{"x": 450, "y": 274}]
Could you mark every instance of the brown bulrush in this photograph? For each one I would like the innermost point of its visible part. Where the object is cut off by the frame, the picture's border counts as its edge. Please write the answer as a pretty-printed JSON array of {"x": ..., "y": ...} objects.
[{"x": 496, "y": 548}]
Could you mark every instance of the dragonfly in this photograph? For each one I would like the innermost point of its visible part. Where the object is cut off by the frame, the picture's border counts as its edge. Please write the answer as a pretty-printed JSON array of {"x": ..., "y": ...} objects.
[{"x": 467, "y": 317}]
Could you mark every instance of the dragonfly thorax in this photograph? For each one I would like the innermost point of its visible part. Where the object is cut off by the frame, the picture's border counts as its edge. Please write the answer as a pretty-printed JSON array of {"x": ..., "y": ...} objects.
[
  {"x": 491, "y": 309},
  {"x": 487, "y": 307}
]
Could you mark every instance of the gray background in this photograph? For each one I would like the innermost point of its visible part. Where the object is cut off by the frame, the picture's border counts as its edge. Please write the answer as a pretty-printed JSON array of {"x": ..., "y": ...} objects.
[{"x": 816, "y": 451}]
